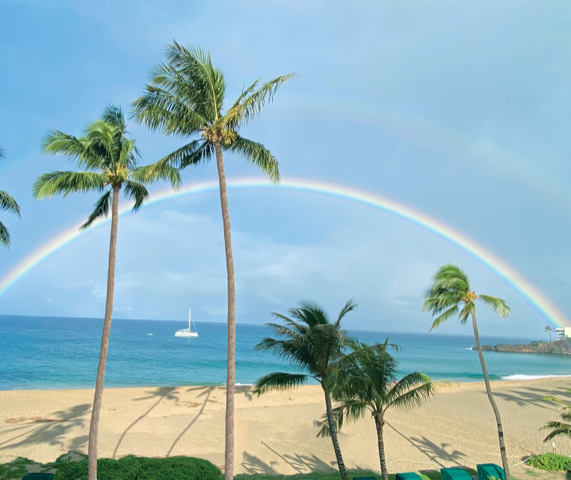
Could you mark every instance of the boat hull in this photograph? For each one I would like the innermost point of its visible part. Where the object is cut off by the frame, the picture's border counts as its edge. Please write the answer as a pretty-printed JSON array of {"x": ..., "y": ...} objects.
[{"x": 186, "y": 334}]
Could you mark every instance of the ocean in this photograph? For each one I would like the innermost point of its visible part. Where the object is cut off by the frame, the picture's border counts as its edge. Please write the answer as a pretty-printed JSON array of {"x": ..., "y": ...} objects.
[{"x": 62, "y": 353}]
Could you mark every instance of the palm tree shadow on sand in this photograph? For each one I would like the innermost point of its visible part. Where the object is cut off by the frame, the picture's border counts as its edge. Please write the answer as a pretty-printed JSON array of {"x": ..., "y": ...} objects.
[
  {"x": 302, "y": 463},
  {"x": 50, "y": 431},
  {"x": 436, "y": 453},
  {"x": 528, "y": 396},
  {"x": 163, "y": 393},
  {"x": 254, "y": 465},
  {"x": 207, "y": 391}
]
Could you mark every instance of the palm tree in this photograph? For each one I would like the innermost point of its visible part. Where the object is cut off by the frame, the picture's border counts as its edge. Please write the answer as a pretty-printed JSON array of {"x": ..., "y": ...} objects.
[
  {"x": 559, "y": 428},
  {"x": 9, "y": 204},
  {"x": 549, "y": 329},
  {"x": 316, "y": 346},
  {"x": 450, "y": 294},
  {"x": 380, "y": 392},
  {"x": 186, "y": 98},
  {"x": 109, "y": 161}
]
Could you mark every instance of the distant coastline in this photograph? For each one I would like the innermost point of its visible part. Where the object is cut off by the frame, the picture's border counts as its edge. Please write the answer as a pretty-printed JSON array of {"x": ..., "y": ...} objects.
[{"x": 558, "y": 347}]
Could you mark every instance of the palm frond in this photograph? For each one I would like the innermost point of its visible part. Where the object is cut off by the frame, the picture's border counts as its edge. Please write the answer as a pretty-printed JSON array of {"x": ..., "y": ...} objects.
[
  {"x": 558, "y": 400},
  {"x": 193, "y": 153},
  {"x": 252, "y": 102},
  {"x": 2, "y": 153},
  {"x": 279, "y": 381},
  {"x": 454, "y": 274},
  {"x": 64, "y": 183},
  {"x": 128, "y": 154},
  {"x": 557, "y": 428},
  {"x": 411, "y": 391},
  {"x": 347, "y": 308},
  {"x": 193, "y": 65},
  {"x": 7, "y": 203},
  {"x": 72, "y": 148},
  {"x": 162, "y": 110},
  {"x": 310, "y": 313},
  {"x": 100, "y": 209},
  {"x": 113, "y": 115},
  {"x": 496, "y": 304},
  {"x": 137, "y": 192},
  {"x": 295, "y": 351},
  {"x": 160, "y": 171},
  {"x": 4, "y": 236},
  {"x": 444, "y": 316},
  {"x": 349, "y": 411},
  {"x": 466, "y": 311},
  {"x": 257, "y": 155}
]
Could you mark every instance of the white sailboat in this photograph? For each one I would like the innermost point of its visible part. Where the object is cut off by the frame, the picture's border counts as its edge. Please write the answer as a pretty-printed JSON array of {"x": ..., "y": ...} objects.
[{"x": 187, "y": 332}]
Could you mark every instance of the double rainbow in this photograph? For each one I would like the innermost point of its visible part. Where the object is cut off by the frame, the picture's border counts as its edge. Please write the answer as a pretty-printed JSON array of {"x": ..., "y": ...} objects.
[{"x": 534, "y": 297}]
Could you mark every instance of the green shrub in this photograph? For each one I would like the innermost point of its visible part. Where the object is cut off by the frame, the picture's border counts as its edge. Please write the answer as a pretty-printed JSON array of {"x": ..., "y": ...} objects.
[
  {"x": 142, "y": 468},
  {"x": 552, "y": 462},
  {"x": 14, "y": 469}
]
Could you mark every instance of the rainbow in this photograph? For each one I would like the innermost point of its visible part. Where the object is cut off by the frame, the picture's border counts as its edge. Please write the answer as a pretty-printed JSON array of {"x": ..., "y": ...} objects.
[{"x": 530, "y": 293}]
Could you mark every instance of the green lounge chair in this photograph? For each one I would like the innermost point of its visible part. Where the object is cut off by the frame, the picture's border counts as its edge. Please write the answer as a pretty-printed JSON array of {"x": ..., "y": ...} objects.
[
  {"x": 364, "y": 478},
  {"x": 408, "y": 476},
  {"x": 487, "y": 470},
  {"x": 38, "y": 476},
  {"x": 454, "y": 474}
]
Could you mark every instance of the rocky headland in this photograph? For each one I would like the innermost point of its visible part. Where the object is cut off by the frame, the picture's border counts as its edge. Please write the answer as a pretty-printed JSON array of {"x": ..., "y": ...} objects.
[{"x": 558, "y": 347}]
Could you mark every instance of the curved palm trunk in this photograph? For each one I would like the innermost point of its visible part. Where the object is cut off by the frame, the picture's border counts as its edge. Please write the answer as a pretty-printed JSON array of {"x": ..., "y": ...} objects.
[
  {"x": 231, "y": 373},
  {"x": 333, "y": 434},
  {"x": 97, "y": 400},
  {"x": 491, "y": 398},
  {"x": 379, "y": 423}
]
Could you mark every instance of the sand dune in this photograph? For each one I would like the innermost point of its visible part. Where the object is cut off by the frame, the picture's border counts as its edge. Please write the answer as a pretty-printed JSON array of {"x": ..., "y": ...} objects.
[{"x": 275, "y": 433}]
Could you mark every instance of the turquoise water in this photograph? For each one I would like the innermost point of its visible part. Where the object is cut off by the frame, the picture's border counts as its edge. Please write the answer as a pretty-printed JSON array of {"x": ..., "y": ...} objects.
[{"x": 57, "y": 353}]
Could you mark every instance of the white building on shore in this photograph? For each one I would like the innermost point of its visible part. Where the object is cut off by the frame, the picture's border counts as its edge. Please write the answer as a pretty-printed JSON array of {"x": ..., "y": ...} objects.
[{"x": 564, "y": 332}]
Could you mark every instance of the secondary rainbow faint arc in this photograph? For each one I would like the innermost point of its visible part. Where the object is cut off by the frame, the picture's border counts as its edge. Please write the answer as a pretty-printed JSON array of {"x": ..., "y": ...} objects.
[{"x": 534, "y": 297}]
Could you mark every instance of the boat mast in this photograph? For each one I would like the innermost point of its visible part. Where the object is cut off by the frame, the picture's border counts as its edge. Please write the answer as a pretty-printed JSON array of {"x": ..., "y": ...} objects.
[{"x": 189, "y": 319}]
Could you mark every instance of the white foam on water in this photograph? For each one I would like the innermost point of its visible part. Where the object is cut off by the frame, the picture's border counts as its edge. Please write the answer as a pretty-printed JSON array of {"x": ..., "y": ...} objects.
[{"x": 531, "y": 377}]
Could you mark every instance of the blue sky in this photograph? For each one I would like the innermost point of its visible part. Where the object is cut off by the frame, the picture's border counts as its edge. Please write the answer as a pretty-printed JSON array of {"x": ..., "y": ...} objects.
[{"x": 458, "y": 109}]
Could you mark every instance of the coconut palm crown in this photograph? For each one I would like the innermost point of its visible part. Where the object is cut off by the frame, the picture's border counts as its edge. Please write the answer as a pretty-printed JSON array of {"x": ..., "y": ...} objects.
[
  {"x": 7, "y": 203},
  {"x": 451, "y": 294},
  {"x": 378, "y": 391},
  {"x": 110, "y": 161},
  {"x": 186, "y": 98},
  {"x": 549, "y": 329}
]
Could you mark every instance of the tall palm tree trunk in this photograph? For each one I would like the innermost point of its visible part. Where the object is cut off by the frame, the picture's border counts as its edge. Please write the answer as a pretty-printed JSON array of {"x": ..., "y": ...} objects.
[
  {"x": 333, "y": 434},
  {"x": 97, "y": 400},
  {"x": 491, "y": 398},
  {"x": 381, "y": 443},
  {"x": 231, "y": 372}
]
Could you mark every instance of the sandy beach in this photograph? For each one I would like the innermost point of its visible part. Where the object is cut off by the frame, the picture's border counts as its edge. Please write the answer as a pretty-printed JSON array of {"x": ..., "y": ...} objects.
[{"x": 275, "y": 433}]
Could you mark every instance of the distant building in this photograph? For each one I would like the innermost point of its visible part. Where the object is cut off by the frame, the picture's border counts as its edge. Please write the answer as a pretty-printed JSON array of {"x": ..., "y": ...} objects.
[{"x": 563, "y": 332}]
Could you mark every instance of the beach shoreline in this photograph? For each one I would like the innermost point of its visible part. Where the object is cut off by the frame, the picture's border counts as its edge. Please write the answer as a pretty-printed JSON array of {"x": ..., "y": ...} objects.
[{"x": 276, "y": 433}]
